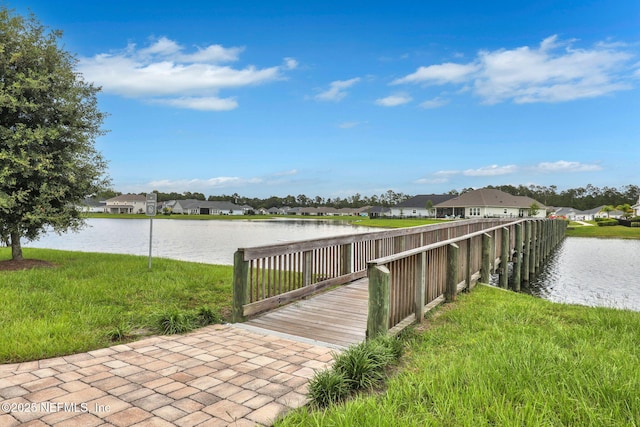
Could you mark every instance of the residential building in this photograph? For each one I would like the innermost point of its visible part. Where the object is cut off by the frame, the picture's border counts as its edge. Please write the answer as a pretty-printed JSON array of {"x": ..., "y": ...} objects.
[
  {"x": 423, "y": 205},
  {"x": 89, "y": 204},
  {"x": 126, "y": 203},
  {"x": 204, "y": 207},
  {"x": 490, "y": 203}
]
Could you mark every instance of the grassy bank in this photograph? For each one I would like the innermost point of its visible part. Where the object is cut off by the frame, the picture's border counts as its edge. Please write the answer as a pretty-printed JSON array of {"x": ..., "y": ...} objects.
[
  {"x": 87, "y": 299},
  {"x": 614, "y": 232},
  {"x": 501, "y": 358}
]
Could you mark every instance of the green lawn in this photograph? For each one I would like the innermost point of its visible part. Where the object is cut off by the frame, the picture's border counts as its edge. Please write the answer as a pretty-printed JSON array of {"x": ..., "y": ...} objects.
[
  {"x": 498, "y": 358},
  {"x": 76, "y": 305},
  {"x": 616, "y": 231}
]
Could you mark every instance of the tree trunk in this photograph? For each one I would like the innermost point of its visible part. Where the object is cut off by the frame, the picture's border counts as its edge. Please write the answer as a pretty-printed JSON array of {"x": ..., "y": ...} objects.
[{"x": 16, "y": 248}]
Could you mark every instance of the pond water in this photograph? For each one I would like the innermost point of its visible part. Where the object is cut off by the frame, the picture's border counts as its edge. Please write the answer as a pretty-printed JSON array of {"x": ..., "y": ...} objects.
[
  {"x": 586, "y": 271},
  {"x": 212, "y": 242},
  {"x": 593, "y": 272}
]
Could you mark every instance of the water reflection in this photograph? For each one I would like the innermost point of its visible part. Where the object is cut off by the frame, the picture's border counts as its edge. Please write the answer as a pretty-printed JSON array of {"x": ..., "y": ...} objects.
[
  {"x": 593, "y": 272},
  {"x": 212, "y": 242}
]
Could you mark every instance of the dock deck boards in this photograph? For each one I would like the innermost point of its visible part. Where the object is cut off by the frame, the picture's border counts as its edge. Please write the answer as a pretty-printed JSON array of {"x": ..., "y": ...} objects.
[{"x": 337, "y": 317}]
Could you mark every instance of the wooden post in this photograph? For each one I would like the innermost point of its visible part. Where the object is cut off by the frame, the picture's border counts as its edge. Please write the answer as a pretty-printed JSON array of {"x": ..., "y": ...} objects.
[
  {"x": 534, "y": 248},
  {"x": 493, "y": 251},
  {"x": 485, "y": 273},
  {"x": 307, "y": 268},
  {"x": 452, "y": 273},
  {"x": 517, "y": 267},
  {"x": 240, "y": 286},
  {"x": 346, "y": 257},
  {"x": 420, "y": 281},
  {"x": 538, "y": 246},
  {"x": 526, "y": 255},
  {"x": 468, "y": 272},
  {"x": 379, "y": 303},
  {"x": 504, "y": 258}
]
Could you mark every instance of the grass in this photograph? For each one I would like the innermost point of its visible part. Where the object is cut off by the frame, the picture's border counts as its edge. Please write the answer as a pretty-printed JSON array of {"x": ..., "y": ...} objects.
[
  {"x": 395, "y": 223},
  {"x": 508, "y": 359},
  {"x": 615, "y": 232},
  {"x": 89, "y": 300}
]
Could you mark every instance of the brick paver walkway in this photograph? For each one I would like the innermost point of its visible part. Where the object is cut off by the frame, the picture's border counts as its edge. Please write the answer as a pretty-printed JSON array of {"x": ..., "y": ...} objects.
[{"x": 220, "y": 375}]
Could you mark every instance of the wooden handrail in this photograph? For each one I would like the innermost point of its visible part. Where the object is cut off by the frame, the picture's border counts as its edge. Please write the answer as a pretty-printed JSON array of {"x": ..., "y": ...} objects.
[
  {"x": 436, "y": 272},
  {"x": 271, "y": 275}
]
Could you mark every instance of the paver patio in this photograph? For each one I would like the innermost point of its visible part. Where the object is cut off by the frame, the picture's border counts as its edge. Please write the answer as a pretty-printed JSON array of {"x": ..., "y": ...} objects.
[{"x": 220, "y": 375}]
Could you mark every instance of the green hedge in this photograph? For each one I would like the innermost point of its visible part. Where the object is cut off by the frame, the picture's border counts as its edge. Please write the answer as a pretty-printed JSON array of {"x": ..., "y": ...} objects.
[{"x": 606, "y": 222}]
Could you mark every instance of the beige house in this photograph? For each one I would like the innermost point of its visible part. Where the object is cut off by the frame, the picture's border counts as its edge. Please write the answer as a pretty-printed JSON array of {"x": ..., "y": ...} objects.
[
  {"x": 127, "y": 203},
  {"x": 490, "y": 203}
]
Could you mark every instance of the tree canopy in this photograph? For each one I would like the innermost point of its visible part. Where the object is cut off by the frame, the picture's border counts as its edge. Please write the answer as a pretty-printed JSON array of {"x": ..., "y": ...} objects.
[{"x": 49, "y": 120}]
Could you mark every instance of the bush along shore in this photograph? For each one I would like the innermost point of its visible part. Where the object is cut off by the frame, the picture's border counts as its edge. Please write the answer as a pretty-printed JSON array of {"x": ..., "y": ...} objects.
[{"x": 497, "y": 358}]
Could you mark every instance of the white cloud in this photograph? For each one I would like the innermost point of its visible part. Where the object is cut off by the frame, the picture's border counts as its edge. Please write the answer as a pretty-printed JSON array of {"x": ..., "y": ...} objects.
[
  {"x": 349, "y": 125},
  {"x": 286, "y": 173},
  {"x": 165, "y": 69},
  {"x": 337, "y": 90},
  {"x": 394, "y": 100},
  {"x": 202, "y": 104},
  {"x": 554, "y": 71},
  {"x": 439, "y": 74},
  {"x": 565, "y": 166},
  {"x": 493, "y": 170},
  {"x": 431, "y": 181},
  {"x": 201, "y": 184},
  {"x": 434, "y": 103}
]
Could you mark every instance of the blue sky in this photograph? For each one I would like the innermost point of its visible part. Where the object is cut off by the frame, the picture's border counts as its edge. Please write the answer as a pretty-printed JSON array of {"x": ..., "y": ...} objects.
[{"x": 334, "y": 98}]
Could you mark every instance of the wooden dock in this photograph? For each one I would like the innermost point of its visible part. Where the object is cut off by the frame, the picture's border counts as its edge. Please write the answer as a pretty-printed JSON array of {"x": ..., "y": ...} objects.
[{"x": 337, "y": 317}]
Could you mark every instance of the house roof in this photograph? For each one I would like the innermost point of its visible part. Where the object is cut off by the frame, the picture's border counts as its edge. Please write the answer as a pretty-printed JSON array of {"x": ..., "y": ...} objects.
[
  {"x": 128, "y": 198},
  {"x": 197, "y": 204},
  {"x": 420, "y": 201},
  {"x": 489, "y": 197},
  {"x": 378, "y": 209}
]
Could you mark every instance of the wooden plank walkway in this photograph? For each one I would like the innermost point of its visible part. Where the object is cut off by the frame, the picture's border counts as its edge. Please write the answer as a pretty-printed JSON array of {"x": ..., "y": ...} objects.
[{"x": 337, "y": 318}]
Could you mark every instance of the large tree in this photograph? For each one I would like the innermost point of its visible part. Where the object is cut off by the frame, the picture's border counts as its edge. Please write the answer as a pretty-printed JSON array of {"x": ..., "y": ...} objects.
[{"x": 49, "y": 120}]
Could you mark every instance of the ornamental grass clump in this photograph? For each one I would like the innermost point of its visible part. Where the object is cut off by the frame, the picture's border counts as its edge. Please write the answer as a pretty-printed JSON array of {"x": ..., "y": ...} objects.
[
  {"x": 175, "y": 321},
  {"x": 361, "y": 367}
]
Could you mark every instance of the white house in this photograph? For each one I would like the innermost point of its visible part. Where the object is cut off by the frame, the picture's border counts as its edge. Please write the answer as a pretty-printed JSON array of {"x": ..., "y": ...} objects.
[
  {"x": 636, "y": 208},
  {"x": 490, "y": 203},
  {"x": 127, "y": 203},
  {"x": 204, "y": 207},
  {"x": 89, "y": 204},
  {"x": 417, "y": 206}
]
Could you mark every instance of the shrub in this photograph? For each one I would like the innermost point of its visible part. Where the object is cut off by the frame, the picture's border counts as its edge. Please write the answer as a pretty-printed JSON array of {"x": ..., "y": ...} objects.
[
  {"x": 119, "y": 332},
  {"x": 360, "y": 367},
  {"x": 175, "y": 322},
  {"x": 208, "y": 316},
  {"x": 328, "y": 387},
  {"x": 606, "y": 222},
  {"x": 635, "y": 224}
]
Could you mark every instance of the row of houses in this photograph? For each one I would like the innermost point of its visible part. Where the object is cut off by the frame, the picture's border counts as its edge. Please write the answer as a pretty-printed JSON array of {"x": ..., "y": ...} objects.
[
  {"x": 591, "y": 214},
  {"x": 481, "y": 203},
  {"x": 474, "y": 204}
]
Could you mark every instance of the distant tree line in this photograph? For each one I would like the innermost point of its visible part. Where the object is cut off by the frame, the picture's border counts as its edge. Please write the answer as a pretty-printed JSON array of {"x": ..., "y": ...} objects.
[{"x": 582, "y": 198}]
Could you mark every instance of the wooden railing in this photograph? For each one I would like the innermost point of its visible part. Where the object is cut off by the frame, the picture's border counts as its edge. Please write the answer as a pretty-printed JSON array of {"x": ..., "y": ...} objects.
[
  {"x": 268, "y": 276},
  {"x": 403, "y": 286}
]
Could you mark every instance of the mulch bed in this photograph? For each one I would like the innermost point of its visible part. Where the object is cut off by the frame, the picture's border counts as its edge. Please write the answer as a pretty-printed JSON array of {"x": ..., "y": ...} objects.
[{"x": 24, "y": 264}]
